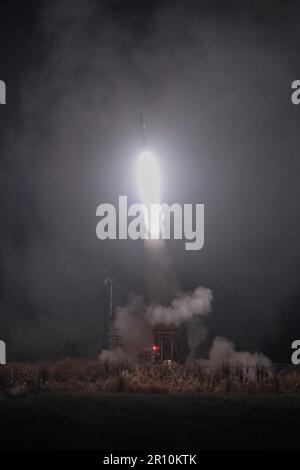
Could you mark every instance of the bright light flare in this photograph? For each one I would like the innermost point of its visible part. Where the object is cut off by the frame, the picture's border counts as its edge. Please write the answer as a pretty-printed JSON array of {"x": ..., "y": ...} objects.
[
  {"x": 149, "y": 186},
  {"x": 148, "y": 176}
]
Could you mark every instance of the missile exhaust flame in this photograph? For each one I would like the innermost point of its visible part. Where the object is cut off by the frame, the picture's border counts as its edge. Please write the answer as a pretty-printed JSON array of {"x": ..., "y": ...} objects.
[{"x": 149, "y": 186}]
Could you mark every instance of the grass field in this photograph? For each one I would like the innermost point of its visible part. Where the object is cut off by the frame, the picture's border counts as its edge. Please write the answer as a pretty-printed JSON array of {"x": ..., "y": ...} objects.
[{"x": 156, "y": 422}]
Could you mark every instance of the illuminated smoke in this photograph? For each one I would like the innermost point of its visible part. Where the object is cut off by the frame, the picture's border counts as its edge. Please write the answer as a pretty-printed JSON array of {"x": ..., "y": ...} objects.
[
  {"x": 182, "y": 309},
  {"x": 161, "y": 281},
  {"x": 135, "y": 321}
]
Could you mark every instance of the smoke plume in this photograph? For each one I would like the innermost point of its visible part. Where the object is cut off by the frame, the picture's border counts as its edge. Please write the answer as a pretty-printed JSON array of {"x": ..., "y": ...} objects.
[
  {"x": 223, "y": 351},
  {"x": 161, "y": 281},
  {"x": 135, "y": 321},
  {"x": 132, "y": 325},
  {"x": 182, "y": 309}
]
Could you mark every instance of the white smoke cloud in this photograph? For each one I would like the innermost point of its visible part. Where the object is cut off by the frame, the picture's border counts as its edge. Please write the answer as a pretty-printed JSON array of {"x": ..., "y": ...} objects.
[
  {"x": 135, "y": 321},
  {"x": 132, "y": 325},
  {"x": 223, "y": 350},
  {"x": 182, "y": 309}
]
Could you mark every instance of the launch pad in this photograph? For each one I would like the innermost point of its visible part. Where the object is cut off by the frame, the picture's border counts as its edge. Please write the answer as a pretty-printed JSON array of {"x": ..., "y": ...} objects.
[
  {"x": 171, "y": 343},
  {"x": 170, "y": 346}
]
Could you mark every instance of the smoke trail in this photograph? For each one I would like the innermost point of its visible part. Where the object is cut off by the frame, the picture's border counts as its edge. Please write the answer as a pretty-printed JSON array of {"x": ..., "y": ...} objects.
[{"x": 161, "y": 282}]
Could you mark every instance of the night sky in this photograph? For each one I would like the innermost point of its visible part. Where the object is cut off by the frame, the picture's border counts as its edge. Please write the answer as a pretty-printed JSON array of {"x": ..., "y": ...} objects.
[{"x": 214, "y": 85}]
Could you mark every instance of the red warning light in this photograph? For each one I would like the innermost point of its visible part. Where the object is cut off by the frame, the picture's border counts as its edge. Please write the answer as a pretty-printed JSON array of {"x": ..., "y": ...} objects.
[{"x": 155, "y": 348}]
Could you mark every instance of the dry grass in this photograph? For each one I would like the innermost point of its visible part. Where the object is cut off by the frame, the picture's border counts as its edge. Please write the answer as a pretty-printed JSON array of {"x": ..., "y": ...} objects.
[{"x": 75, "y": 375}]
